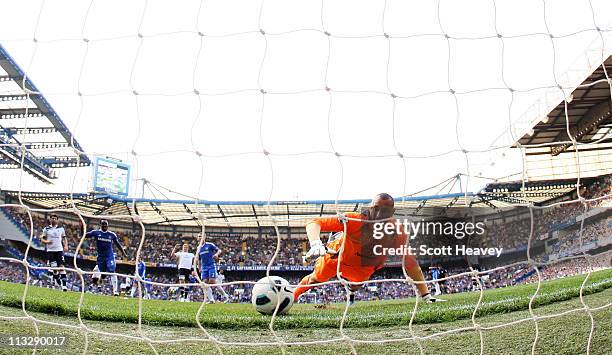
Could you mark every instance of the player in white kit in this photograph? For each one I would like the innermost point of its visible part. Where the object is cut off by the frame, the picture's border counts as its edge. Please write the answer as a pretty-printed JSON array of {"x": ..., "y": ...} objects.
[
  {"x": 54, "y": 238},
  {"x": 185, "y": 269},
  {"x": 221, "y": 279}
]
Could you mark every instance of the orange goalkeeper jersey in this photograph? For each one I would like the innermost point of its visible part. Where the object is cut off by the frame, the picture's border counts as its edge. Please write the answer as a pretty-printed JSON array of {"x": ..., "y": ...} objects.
[{"x": 359, "y": 245}]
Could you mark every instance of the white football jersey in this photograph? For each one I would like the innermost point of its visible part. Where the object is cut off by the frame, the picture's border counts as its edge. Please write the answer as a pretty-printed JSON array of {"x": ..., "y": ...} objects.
[
  {"x": 220, "y": 278},
  {"x": 54, "y": 235},
  {"x": 185, "y": 260}
]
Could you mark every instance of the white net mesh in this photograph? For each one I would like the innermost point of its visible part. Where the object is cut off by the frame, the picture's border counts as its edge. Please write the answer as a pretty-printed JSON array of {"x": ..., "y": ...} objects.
[{"x": 390, "y": 95}]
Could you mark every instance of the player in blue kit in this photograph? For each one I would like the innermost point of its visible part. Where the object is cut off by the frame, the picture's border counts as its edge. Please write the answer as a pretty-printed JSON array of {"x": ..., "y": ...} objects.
[
  {"x": 142, "y": 272},
  {"x": 435, "y": 276},
  {"x": 106, "y": 257},
  {"x": 208, "y": 254},
  {"x": 148, "y": 288}
]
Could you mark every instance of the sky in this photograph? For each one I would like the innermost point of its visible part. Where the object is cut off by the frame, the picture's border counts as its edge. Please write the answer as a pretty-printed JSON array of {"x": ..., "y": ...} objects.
[{"x": 138, "y": 99}]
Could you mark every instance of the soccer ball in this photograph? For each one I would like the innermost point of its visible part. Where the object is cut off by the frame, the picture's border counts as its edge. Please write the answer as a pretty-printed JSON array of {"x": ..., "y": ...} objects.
[
  {"x": 173, "y": 292},
  {"x": 268, "y": 292}
]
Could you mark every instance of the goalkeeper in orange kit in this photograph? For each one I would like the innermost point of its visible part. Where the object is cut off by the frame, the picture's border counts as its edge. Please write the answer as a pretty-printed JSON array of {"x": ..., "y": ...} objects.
[{"x": 358, "y": 261}]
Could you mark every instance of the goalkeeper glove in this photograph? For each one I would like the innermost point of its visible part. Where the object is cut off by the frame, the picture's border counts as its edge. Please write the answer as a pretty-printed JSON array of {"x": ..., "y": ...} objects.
[
  {"x": 316, "y": 249},
  {"x": 429, "y": 299}
]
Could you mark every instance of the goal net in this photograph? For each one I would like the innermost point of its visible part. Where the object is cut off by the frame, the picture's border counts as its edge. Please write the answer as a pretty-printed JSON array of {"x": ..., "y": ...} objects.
[{"x": 228, "y": 121}]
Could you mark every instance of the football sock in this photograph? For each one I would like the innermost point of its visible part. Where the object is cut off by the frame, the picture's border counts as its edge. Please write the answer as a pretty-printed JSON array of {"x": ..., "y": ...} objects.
[
  {"x": 437, "y": 286},
  {"x": 352, "y": 297},
  {"x": 302, "y": 287},
  {"x": 114, "y": 283},
  {"x": 223, "y": 292},
  {"x": 63, "y": 278}
]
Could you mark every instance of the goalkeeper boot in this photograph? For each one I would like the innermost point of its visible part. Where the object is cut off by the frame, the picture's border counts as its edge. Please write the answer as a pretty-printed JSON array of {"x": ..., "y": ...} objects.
[
  {"x": 351, "y": 298},
  {"x": 429, "y": 299}
]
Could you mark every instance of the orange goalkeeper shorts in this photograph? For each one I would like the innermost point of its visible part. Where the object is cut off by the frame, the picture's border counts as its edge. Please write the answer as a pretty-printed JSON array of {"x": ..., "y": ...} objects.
[{"x": 326, "y": 267}]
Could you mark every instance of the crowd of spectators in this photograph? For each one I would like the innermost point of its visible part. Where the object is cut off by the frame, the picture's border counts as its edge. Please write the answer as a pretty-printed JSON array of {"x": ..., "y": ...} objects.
[
  {"x": 572, "y": 267},
  {"x": 245, "y": 250},
  {"x": 570, "y": 243},
  {"x": 388, "y": 290},
  {"x": 12, "y": 271},
  {"x": 157, "y": 247},
  {"x": 514, "y": 234},
  {"x": 240, "y": 292},
  {"x": 249, "y": 250}
]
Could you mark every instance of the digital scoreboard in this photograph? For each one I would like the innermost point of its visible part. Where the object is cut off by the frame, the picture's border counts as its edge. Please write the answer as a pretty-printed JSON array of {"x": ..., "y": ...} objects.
[{"x": 111, "y": 176}]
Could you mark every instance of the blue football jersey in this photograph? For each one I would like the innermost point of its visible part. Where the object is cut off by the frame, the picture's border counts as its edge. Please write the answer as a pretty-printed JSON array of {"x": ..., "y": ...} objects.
[
  {"x": 104, "y": 242},
  {"x": 206, "y": 252},
  {"x": 142, "y": 269}
]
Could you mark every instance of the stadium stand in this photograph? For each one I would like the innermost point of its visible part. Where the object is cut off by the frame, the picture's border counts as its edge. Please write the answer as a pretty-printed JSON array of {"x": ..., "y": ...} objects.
[
  {"x": 250, "y": 250},
  {"x": 247, "y": 254}
]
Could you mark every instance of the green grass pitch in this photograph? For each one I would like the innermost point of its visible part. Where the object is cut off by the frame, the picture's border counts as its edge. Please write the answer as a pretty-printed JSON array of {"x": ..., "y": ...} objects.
[{"x": 373, "y": 320}]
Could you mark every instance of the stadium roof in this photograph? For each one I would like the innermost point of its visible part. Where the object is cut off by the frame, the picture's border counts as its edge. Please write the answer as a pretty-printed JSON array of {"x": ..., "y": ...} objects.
[
  {"x": 28, "y": 120},
  {"x": 537, "y": 192},
  {"x": 589, "y": 111},
  {"x": 293, "y": 213}
]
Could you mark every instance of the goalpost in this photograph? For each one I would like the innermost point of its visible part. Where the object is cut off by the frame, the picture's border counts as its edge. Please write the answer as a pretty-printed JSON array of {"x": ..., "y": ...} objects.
[{"x": 335, "y": 70}]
